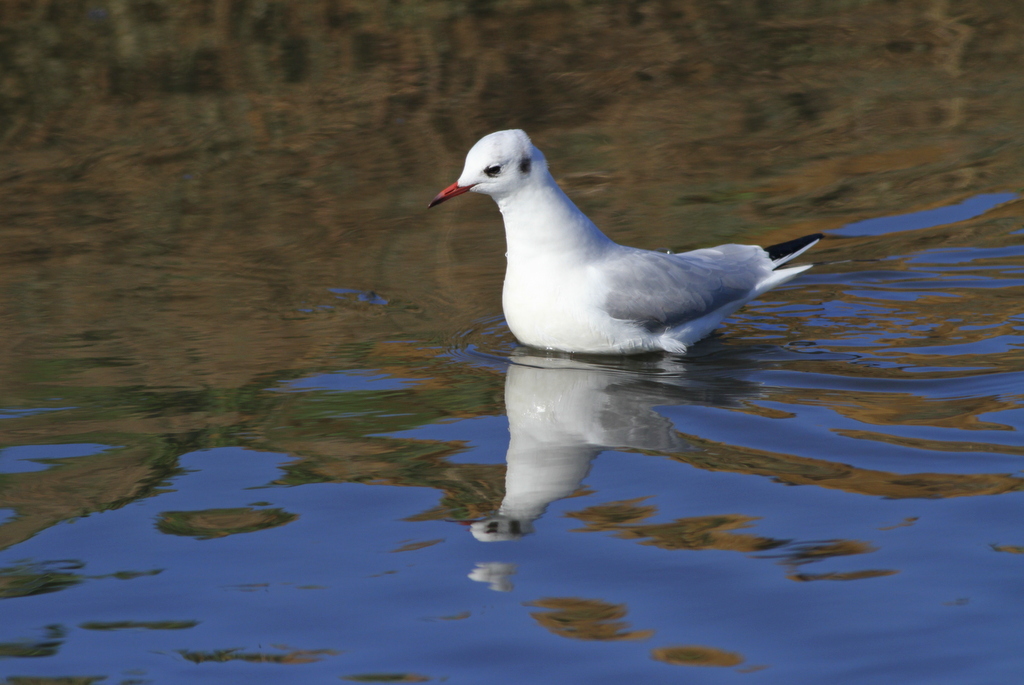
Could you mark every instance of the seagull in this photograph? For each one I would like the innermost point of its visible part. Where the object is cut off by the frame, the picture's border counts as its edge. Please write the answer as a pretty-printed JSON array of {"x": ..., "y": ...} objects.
[{"x": 568, "y": 287}]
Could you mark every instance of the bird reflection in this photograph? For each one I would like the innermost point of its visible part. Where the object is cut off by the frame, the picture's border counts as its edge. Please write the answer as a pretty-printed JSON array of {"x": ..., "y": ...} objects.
[
  {"x": 563, "y": 411},
  {"x": 495, "y": 574}
]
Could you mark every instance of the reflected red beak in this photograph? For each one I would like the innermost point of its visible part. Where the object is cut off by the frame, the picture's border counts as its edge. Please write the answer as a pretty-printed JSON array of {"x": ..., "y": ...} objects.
[{"x": 448, "y": 193}]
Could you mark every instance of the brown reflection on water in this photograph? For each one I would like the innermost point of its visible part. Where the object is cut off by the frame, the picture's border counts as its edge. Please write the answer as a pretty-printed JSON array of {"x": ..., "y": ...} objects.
[
  {"x": 182, "y": 177},
  {"x": 793, "y": 470},
  {"x": 699, "y": 532},
  {"x": 39, "y": 578},
  {"x": 1012, "y": 549},
  {"x": 904, "y": 409},
  {"x": 76, "y": 487},
  {"x": 387, "y": 678},
  {"x": 960, "y": 447},
  {"x": 713, "y": 532},
  {"x": 48, "y": 646},
  {"x": 209, "y": 524},
  {"x": 696, "y": 655},
  {"x": 295, "y": 656},
  {"x": 808, "y": 553},
  {"x": 413, "y": 546},
  {"x": 136, "y": 625},
  {"x": 848, "y": 575},
  {"x": 585, "y": 619},
  {"x": 469, "y": 491}
]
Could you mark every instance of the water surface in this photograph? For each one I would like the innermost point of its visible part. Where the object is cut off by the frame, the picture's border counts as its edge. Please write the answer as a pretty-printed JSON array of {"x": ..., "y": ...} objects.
[{"x": 262, "y": 419}]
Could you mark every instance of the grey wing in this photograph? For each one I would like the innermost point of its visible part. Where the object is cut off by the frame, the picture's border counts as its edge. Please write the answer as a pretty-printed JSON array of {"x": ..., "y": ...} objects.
[{"x": 661, "y": 291}]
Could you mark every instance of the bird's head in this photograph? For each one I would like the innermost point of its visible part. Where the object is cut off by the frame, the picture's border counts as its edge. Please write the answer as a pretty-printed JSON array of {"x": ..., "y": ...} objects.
[
  {"x": 498, "y": 165},
  {"x": 500, "y": 528}
]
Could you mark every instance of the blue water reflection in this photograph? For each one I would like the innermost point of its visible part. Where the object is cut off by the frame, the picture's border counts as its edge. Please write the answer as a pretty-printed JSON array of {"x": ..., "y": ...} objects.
[
  {"x": 968, "y": 209},
  {"x": 27, "y": 458}
]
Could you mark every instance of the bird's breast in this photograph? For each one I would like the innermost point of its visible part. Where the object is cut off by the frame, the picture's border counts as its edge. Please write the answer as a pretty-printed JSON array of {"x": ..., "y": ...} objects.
[{"x": 556, "y": 304}]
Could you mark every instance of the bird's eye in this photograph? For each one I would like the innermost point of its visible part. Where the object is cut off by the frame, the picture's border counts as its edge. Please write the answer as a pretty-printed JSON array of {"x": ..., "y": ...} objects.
[{"x": 493, "y": 170}]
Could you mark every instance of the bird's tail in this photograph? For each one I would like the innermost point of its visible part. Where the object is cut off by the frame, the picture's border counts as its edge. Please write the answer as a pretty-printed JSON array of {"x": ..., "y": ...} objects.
[{"x": 791, "y": 249}]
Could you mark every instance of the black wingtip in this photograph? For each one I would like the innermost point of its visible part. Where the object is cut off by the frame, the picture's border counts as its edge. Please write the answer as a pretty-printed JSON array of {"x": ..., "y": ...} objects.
[{"x": 790, "y": 247}]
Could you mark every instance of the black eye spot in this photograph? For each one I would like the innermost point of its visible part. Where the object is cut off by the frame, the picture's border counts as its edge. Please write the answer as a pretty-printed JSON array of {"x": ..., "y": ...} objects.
[
  {"x": 493, "y": 170},
  {"x": 524, "y": 165}
]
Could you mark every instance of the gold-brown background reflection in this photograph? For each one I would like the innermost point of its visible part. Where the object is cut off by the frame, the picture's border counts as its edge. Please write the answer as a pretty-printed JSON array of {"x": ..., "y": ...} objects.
[{"x": 182, "y": 183}]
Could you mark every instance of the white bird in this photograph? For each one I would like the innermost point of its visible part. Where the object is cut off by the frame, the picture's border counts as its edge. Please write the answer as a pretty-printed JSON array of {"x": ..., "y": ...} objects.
[{"x": 569, "y": 287}]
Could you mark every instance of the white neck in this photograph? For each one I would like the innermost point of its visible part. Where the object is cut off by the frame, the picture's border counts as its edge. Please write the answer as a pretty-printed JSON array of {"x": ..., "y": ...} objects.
[{"x": 541, "y": 220}]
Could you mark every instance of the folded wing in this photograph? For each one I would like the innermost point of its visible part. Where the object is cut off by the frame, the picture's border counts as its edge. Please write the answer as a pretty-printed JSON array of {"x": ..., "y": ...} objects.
[{"x": 660, "y": 291}]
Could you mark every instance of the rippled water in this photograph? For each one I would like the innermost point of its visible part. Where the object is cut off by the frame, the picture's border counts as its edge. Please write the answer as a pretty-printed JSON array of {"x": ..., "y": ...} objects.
[
  {"x": 477, "y": 512},
  {"x": 263, "y": 421}
]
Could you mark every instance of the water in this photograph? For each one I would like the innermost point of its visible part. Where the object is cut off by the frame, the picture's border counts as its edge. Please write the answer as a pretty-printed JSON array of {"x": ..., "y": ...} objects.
[{"x": 262, "y": 419}]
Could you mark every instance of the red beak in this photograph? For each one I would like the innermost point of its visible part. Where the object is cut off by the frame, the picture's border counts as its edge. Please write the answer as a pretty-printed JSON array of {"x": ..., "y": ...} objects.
[{"x": 448, "y": 193}]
